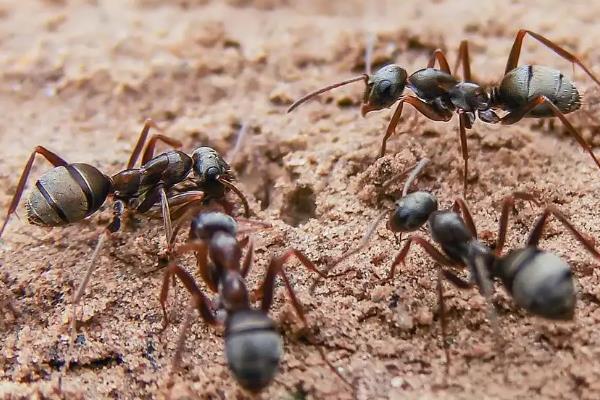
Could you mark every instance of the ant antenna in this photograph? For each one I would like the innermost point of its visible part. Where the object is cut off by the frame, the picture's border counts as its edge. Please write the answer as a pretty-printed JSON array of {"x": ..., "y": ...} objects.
[
  {"x": 416, "y": 170},
  {"x": 411, "y": 178},
  {"x": 363, "y": 77},
  {"x": 242, "y": 133},
  {"x": 413, "y": 175},
  {"x": 370, "y": 39}
]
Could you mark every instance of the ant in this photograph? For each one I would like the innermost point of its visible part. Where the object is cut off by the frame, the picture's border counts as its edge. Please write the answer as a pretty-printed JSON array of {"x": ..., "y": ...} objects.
[
  {"x": 538, "y": 281},
  {"x": 253, "y": 347},
  {"x": 71, "y": 192},
  {"x": 527, "y": 91}
]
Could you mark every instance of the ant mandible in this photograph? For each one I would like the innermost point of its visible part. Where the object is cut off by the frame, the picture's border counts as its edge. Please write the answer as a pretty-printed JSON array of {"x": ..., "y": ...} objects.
[{"x": 527, "y": 91}]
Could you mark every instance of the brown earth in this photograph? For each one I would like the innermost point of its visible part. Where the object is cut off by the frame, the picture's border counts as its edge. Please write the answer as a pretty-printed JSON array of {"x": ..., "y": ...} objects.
[{"x": 80, "y": 77}]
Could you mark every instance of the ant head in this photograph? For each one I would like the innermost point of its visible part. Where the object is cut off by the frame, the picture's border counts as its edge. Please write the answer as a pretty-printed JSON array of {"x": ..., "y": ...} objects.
[
  {"x": 253, "y": 348},
  {"x": 205, "y": 225},
  {"x": 542, "y": 283},
  {"x": 470, "y": 97},
  {"x": 384, "y": 88},
  {"x": 208, "y": 164},
  {"x": 412, "y": 211}
]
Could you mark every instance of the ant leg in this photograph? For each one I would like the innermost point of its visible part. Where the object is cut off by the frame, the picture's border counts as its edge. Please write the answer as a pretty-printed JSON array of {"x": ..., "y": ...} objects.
[
  {"x": 413, "y": 175},
  {"x": 174, "y": 270},
  {"x": 486, "y": 289},
  {"x": 536, "y": 232},
  {"x": 149, "y": 151},
  {"x": 459, "y": 204},
  {"x": 237, "y": 191},
  {"x": 508, "y": 203},
  {"x": 248, "y": 259},
  {"x": 185, "y": 205},
  {"x": 513, "y": 58},
  {"x": 113, "y": 227},
  {"x": 199, "y": 302},
  {"x": 239, "y": 142},
  {"x": 363, "y": 242},
  {"x": 516, "y": 115},
  {"x": 54, "y": 159},
  {"x": 438, "y": 55},
  {"x": 462, "y": 131},
  {"x": 428, "y": 110},
  {"x": 429, "y": 249},
  {"x": 275, "y": 268},
  {"x": 443, "y": 321},
  {"x": 463, "y": 58},
  {"x": 391, "y": 126},
  {"x": 164, "y": 206},
  {"x": 369, "y": 45}
]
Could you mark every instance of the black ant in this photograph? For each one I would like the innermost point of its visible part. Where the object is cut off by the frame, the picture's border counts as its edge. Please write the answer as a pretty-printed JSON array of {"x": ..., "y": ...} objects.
[
  {"x": 69, "y": 193},
  {"x": 253, "y": 347},
  {"x": 538, "y": 281},
  {"x": 527, "y": 91}
]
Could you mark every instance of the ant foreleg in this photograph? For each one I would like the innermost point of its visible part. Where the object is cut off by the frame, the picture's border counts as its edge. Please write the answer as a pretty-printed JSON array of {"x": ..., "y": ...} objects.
[
  {"x": 428, "y": 110},
  {"x": 54, "y": 159},
  {"x": 200, "y": 298},
  {"x": 429, "y": 249},
  {"x": 199, "y": 302}
]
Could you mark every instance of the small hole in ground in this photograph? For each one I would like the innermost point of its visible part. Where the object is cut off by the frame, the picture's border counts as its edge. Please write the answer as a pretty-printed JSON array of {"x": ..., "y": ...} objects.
[{"x": 299, "y": 206}]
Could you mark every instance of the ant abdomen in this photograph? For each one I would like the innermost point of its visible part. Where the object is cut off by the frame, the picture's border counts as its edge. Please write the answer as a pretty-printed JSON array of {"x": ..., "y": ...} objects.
[
  {"x": 412, "y": 211},
  {"x": 253, "y": 348},
  {"x": 526, "y": 82},
  {"x": 539, "y": 281},
  {"x": 67, "y": 194}
]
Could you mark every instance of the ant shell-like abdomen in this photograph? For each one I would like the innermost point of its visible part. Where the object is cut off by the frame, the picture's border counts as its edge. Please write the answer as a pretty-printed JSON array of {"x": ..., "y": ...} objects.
[
  {"x": 253, "y": 348},
  {"x": 67, "y": 194},
  {"x": 526, "y": 82},
  {"x": 542, "y": 283},
  {"x": 384, "y": 88},
  {"x": 412, "y": 211},
  {"x": 205, "y": 225}
]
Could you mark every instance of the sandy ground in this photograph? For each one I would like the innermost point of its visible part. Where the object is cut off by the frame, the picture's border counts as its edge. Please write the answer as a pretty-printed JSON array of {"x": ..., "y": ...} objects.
[{"x": 81, "y": 76}]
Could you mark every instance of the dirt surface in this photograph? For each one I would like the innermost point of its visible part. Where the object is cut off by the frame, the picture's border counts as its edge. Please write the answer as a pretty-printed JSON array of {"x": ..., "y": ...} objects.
[{"x": 80, "y": 77}]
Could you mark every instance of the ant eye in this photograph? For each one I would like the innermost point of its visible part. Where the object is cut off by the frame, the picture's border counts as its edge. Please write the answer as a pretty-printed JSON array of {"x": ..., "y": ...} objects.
[{"x": 385, "y": 88}]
